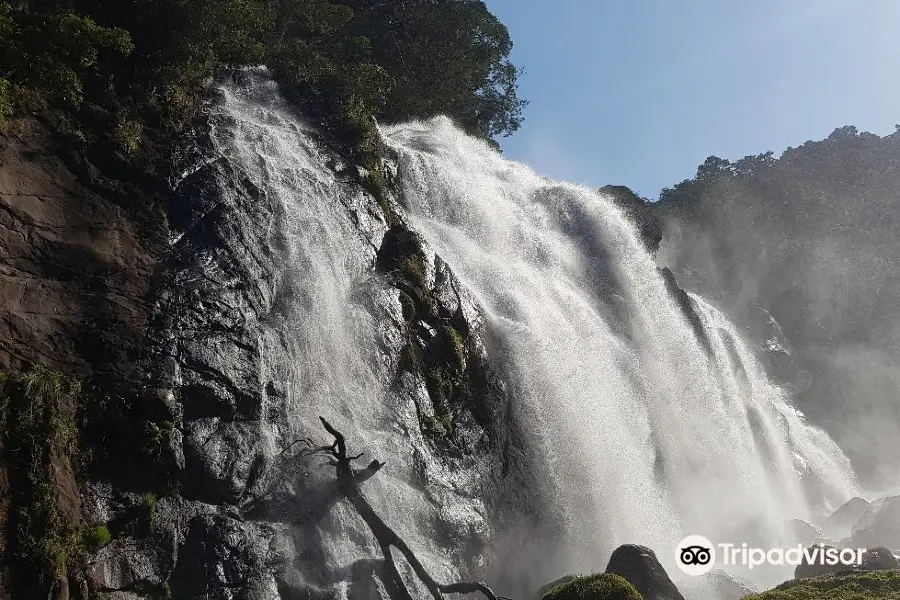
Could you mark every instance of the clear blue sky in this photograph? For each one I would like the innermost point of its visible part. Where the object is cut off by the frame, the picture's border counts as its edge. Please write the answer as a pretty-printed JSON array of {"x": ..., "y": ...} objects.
[{"x": 640, "y": 92}]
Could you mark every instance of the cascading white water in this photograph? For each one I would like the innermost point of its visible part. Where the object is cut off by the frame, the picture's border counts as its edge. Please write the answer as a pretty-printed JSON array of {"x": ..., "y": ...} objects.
[
  {"x": 642, "y": 435},
  {"x": 328, "y": 336},
  {"x": 645, "y": 436}
]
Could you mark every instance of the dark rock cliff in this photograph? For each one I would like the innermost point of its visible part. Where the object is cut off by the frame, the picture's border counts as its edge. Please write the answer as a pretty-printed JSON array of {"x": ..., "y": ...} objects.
[
  {"x": 79, "y": 257},
  {"x": 188, "y": 302},
  {"x": 210, "y": 305}
]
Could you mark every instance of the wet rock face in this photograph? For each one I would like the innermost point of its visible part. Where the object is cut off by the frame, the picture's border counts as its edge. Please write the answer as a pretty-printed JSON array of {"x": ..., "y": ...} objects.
[
  {"x": 686, "y": 305},
  {"x": 274, "y": 310},
  {"x": 637, "y": 210},
  {"x": 227, "y": 337},
  {"x": 639, "y": 565},
  {"x": 220, "y": 554}
]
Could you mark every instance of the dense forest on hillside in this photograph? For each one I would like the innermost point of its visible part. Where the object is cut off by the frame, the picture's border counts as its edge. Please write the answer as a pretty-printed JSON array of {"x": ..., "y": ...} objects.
[
  {"x": 115, "y": 71},
  {"x": 810, "y": 238}
]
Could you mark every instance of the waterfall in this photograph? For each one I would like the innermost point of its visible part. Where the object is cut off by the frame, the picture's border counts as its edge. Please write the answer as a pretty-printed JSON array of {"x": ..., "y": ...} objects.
[
  {"x": 329, "y": 336},
  {"x": 645, "y": 435},
  {"x": 640, "y": 432}
]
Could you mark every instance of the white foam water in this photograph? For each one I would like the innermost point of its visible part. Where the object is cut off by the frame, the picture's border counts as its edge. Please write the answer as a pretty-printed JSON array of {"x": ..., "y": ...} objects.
[
  {"x": 642, "y": 433},
  {"x": 645, "y": 434}
]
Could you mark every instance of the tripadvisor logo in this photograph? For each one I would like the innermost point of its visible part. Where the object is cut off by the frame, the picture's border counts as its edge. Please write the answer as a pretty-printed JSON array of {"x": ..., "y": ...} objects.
[{"x": 696, "y": 555}]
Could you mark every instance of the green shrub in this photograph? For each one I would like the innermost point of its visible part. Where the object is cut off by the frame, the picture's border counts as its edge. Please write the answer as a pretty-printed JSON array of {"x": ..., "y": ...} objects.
[
  {"x": 872, "y": 585},
  {"x": 150, "y": 507},
  {"x": 157, "y": 438},
  {"x": 96, "y": 537},
  {"x": 603, "y": 586},
  {"x": 54, "y": 51},
  {"x": 40, "y": 440},
  {"x": 6, "y": 102},
  {"x": 129, "y": 136}
]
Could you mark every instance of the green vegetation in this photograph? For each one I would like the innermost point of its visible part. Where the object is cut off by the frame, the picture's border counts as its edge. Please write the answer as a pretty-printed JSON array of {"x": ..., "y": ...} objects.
[
  {"x": 603, "y": 586},
  {"x": 54, "y": 52},
  {"x": 871, "y": 585},
  {"x": 96, "y": 537},
  {"x": 150, "y": 507},
  {"x": 148, "y": 65},
  {"x": 6, "y": 104},
  {"x": 39, "y": 442},
  {"x": 439, "y": 348},
  {"x": 157, "y": 438},
  {"x": 441, "y": 360}
]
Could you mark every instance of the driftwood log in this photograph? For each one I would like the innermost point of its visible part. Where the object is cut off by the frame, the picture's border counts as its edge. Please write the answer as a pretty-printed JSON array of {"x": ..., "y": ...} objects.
[{"x": 349, "y": 481}]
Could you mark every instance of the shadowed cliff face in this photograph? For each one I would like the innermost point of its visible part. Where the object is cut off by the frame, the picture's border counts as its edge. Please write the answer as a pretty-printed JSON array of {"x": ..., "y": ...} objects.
[
  {"x": 78, "y": 252},
  {"x": 78, "y": 256}
]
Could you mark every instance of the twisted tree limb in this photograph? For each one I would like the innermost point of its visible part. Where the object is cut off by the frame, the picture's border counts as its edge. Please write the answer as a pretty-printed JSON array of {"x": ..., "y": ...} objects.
[{"x": 349, "y": 481}]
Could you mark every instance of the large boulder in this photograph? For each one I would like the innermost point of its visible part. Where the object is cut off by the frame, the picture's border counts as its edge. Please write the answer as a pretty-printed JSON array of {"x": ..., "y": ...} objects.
[
  {"x": 816, "y": 568},
  {"x": 639, "y": 565},
  {"x": 601, "y": 586},
  {"x": 715, "y": 585},
  {"x": 554, "y": 584},
  {"x": 879, "y": 559}
]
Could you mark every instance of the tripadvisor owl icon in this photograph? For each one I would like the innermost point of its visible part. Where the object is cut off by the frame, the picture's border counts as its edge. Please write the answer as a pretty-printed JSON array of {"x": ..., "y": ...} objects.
[{"x": 695, "y": 555}]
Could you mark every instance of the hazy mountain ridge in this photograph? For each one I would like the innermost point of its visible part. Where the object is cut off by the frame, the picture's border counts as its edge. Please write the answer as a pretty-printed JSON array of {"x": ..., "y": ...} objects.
[{"x": 806, "y": 244}]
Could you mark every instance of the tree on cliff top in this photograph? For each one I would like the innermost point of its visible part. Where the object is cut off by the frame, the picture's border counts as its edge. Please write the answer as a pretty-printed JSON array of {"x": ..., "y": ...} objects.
[
  {"x": 392, "y": 59},
  {"x": 445, "y": 57}
]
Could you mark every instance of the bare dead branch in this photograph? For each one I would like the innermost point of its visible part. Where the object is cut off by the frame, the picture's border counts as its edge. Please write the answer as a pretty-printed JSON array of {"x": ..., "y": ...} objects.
[{"x": 348, "y": 485}]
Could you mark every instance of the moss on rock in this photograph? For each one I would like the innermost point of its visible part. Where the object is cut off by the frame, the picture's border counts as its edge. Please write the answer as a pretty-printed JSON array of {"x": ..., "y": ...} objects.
[
  {"x": 603, "y": 586},
  {"x": 872, "y": 585},
  {"x": 44, "y": 539}
]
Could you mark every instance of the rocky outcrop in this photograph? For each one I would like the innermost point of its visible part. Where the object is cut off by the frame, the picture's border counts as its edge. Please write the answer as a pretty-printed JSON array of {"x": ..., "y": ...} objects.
[
  {"x": 639, "y": 212},
  {"x": 212, "y": 317},
  {"x": 879, "y": 559},
  {"x": 817, "y": 568},
  {"x": 78, "y": 253},
  {"x": 879, "y": 525},
  {"x": 639, "y": 566},
  {"x": 840, "y": 522},
  {"x": 686, "y": 304},
  {"x": 715, "y": 585}
]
